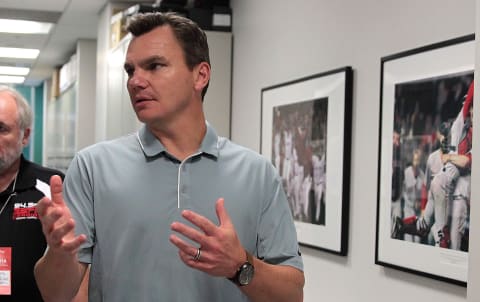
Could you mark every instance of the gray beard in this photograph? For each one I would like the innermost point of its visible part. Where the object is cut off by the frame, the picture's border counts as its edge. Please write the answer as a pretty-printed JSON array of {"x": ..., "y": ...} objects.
[{"x": 7, "y": 159}]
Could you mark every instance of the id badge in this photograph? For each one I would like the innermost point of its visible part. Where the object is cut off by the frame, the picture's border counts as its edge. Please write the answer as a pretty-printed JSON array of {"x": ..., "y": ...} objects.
[{"x": 5, "y": 270}]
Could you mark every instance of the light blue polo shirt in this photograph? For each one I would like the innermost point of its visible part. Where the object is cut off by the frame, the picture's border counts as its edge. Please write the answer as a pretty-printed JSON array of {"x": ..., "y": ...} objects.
[{"x": 125, "y": 193}]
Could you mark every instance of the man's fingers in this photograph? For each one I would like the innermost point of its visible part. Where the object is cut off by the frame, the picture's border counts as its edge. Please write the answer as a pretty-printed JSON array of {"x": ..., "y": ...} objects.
[
  {"x": 74, "y": 244},
  {"x": 57, "y": 223},
  {"x": 188, "y": 252},
  {"x": 42, "y": 206},
  {"x": 60, "y": 239},
  {"x": 69, "y": 246},
  {"x": 198, "y": 264},
  {"x": 200, "y": 221},
  {"x": 207, "y": 226},
  {"x": 56, "y": 189},
  {"x": 182, "y": 245},
  {"x": 188, "y": 232},
  {"x": 222, "y": 213},
  {"x": 54, "y": 216},
  {"x": 61, "y": 231}
]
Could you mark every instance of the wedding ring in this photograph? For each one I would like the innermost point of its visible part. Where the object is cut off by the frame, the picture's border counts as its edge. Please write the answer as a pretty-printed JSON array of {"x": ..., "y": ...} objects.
[{"x": 197, "y": 255}]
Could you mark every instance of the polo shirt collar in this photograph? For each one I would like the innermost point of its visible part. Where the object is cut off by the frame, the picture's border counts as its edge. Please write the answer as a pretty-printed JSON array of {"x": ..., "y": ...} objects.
[
  {"x": 151, "y": 146},
  {"x": 26, "y": 177}
]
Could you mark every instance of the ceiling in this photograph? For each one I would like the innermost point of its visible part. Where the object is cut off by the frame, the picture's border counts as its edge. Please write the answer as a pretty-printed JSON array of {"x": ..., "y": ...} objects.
[{"x": 74, "y": 19}]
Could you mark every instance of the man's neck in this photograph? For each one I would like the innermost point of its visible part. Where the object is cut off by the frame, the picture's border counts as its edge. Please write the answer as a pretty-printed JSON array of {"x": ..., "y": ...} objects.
[
  {"x": 181, "y": 139},
  {"x": 7, "y": 176}
]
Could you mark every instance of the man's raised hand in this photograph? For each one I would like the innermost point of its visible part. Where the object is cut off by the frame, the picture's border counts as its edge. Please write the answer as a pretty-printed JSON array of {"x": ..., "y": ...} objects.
[{"x": 57, "y": 222}]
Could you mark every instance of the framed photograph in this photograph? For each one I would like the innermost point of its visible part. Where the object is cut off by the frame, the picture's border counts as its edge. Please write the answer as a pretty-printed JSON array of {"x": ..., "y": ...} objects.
[
  {"x": 423, "y": 201},
  {"x": 306, "y": 133}
]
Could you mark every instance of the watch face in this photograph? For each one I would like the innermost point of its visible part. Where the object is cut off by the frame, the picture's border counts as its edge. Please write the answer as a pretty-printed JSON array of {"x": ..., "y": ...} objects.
[{"x": 246, "y": 274}]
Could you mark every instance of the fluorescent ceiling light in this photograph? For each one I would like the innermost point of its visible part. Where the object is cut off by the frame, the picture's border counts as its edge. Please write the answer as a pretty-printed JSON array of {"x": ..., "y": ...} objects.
[
  {"x": 20, "y": 53},
  {"x": 11, "y": 79},
  {"x": 24, "y": 27},
  {"x": 14, "y": 70}
]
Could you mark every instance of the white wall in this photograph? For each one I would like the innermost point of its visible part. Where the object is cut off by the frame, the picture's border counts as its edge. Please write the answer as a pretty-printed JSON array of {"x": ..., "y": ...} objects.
[
  {"x": 102, "y": 93},
  {"x": 86, "y": 80},
  {"x": 277, "y": 41},
  {"x": 217, "y": 104}
]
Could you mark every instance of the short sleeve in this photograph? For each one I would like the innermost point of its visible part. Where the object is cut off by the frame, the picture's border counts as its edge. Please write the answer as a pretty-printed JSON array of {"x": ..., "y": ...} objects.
[
  {"x": 277, "y": 234},
  {"x": 78, "y": 196}
]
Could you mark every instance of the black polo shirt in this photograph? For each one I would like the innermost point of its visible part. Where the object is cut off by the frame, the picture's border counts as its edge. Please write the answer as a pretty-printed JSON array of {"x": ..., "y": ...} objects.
[{"x": 21, "y": 230}]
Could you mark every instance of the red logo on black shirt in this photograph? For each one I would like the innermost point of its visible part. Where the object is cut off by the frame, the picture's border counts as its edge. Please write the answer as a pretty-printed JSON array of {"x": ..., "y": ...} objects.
[{"x": 25, "y": 211}]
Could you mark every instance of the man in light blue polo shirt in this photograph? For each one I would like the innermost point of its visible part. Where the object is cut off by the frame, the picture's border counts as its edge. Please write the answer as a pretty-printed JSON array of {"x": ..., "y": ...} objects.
[{"x": 173, "y": 212}]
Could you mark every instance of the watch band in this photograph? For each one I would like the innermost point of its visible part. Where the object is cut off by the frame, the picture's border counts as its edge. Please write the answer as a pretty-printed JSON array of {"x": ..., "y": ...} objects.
[
  {"x": 249, "y": 257},
  {"x": 245, "y": 272}
]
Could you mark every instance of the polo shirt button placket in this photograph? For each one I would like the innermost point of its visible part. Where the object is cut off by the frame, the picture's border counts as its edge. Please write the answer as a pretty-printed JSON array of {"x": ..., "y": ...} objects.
[{"x": 183, "y": 185}]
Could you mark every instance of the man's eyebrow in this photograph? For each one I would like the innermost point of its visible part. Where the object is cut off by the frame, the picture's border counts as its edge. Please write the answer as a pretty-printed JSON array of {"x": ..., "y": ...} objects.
[
  {"x": 145, "y": 61},
  {"x": 151, "y": 59}
]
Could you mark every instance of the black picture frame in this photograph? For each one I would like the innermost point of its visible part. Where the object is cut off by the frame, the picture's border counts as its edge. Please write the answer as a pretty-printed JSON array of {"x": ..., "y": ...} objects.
[
  {"x": 421, "y": 97},
  {"x": 306, "y": 133}
]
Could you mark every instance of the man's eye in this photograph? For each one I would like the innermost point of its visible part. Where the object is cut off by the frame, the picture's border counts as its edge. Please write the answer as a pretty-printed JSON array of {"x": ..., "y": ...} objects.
[
  {"x": 129, "y": 71},
  {"x": 154, "y": 66}
]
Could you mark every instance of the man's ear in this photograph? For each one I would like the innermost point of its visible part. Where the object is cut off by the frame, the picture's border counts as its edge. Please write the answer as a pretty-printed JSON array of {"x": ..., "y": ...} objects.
[
  {"x": 26, "y": 136},
  {"x": 202, "y": 75}
]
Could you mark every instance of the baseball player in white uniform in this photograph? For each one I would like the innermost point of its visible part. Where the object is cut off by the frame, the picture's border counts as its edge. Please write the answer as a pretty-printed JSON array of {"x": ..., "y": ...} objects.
[
  {"x": 412, "y": 190},
  {"x": 450, "y": 188},
  {"x": 319, "y": 166}
]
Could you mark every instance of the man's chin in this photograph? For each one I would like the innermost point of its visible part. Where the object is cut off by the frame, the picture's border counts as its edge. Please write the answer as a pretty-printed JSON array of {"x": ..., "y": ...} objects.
[
  {"x": 3, "y": 166},
  {"x": 7, "y": 161}
]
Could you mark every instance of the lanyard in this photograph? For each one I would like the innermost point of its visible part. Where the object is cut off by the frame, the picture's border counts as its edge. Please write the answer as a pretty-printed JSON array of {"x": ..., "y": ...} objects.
[{"x": 13, "y": 193}]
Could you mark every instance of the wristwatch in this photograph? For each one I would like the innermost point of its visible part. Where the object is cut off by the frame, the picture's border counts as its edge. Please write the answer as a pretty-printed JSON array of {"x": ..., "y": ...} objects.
[{"x": 245, "y": 272}]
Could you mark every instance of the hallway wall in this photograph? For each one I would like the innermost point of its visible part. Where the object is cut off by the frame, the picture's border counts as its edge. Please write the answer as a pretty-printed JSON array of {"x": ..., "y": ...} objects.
[{"x": 278, "y": 41}]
